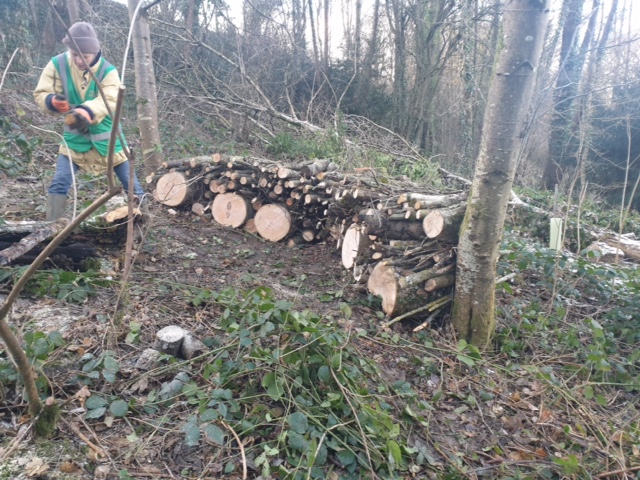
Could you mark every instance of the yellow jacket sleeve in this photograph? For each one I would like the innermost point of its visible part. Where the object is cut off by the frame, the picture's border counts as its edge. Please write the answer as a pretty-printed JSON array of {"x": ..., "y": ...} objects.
[
  {"x": 48, "y": 83},
  {"x": 110, "y": 86}
]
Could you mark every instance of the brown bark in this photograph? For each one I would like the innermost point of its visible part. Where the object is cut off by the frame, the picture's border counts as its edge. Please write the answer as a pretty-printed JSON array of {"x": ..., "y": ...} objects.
[
  {"x": 31, "y": 241},
  {"x": 147, "y": 100},
  {"x": 74, "y": 11}
]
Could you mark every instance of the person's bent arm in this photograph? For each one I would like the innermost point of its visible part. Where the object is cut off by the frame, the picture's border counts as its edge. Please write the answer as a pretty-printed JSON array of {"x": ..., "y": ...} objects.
[
  {"x": 48, "y": 85},
  {"x": 110, "y": 85}
]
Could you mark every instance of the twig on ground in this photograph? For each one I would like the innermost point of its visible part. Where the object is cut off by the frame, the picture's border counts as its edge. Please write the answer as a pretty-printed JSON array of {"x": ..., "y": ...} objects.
[
  {"x": 98, "y": 450},
  {"x": 355, "y": 416},
  {"x": 17, "y": 441},
  {"x": 439, "y": 303},
  {"x": 240, "y": 446},
  {"x": 618, "y": 472}
]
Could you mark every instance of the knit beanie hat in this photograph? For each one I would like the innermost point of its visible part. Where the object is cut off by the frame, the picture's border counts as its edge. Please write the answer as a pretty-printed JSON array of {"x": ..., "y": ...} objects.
[{"x": 85, "y": 36}]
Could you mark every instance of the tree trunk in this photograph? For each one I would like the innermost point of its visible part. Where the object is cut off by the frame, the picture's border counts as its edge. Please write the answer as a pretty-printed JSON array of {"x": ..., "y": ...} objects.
[
  {"x": 509, "y": 96},
  {"x": 564, "y": 94},
  {"x": 147, "y": 100},
  {"x": 74, "y": 11}
]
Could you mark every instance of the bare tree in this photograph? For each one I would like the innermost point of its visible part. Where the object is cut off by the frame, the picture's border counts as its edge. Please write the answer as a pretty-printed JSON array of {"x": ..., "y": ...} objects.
[
  {"x": 147, "y": 101},
  {"x": 511, "y": 89},
  {"x": 74, "y": 11}
]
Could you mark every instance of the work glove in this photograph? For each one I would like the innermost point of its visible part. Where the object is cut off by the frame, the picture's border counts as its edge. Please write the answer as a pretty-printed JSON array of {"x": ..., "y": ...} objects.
[
  {"x": 59, "y": 103},
  {"x": 78, "y": 119}
]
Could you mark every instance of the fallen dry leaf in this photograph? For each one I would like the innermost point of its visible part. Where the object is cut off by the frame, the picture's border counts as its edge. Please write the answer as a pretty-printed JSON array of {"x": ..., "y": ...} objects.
[
  {"x": 545, "y": 416},
  {"x": 70, "y": 467},
  {"x": 618, "y": 437},
  {"x": 515, "y": 422},
  {"x": 83, "y": 394},
  {"x": 101, "y": 472},
  {"x": 540, "y": 452},
  {"x": 139, "y": 386},
  {"x": 521, "y": 456},
  {"x": 35, "y": 467}
]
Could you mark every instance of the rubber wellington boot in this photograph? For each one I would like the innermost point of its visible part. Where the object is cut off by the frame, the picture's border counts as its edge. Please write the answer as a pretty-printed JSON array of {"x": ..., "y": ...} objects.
[{"x": 55, "y": 206}]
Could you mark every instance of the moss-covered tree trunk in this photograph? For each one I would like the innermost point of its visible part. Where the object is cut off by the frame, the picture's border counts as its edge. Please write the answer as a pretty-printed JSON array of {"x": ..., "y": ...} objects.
[
  {"x": 147, "y": 99},
  {"x": 522, "y": 39}
]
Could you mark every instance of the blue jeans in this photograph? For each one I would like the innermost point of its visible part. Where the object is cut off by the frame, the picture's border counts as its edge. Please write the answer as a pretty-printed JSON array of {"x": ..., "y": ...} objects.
[{"x": 62, "y": 179}]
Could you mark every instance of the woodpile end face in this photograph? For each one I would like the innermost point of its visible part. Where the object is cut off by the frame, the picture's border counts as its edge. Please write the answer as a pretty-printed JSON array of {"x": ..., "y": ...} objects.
[{"x": 393, "y": 236}]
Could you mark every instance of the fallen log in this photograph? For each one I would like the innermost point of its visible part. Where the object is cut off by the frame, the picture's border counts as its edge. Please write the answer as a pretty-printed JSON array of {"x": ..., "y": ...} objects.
[
  {"x": 420, "y": 201},
  {"x": 313, "y": 169},
  {"x": 629, "y": 246},
  {"x": 31, "y": 241}
]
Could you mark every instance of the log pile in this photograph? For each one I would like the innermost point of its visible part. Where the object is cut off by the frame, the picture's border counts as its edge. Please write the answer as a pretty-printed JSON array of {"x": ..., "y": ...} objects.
[{"x": 393, "y": 236}]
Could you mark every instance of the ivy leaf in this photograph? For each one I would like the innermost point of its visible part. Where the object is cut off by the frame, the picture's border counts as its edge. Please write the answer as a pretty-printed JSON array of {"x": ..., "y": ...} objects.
[
  {"x": 119, "y": 408},
  {"x": 109, "y": 375},
  {"x": 111, "y": 363},
  {"x": 209, "y": 414},
  {"x": 298, "y": 422},
  {"x": 95, "y": 413},
  {"x": 94, "y": 402},
  {"x": 346, "y": 457},
  {"x": 297, "y": 441},
  {"x": 395, "y": 455},
  {"x": 192, "y": 434},
  {"x": 466, "y": 360},
  {"x": 324, "y": 374},
  {"x": 214, "y": 433},
  {"x": 273, "y": 386}
]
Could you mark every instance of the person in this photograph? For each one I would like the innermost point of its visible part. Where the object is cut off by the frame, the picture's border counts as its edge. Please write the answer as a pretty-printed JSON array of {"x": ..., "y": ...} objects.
[{"x": 66, "y": 88}]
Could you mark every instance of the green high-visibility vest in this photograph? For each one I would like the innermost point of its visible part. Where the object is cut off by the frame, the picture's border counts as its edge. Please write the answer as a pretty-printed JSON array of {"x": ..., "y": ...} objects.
[{"x": 98, "y": 135}]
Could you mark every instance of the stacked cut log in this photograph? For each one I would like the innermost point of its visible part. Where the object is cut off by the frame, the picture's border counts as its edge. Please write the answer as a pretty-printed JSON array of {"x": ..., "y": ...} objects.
[
  {"x": 293, "y": 203},
  {"x": 398, "y": 242},
  {"x": 406, "y": 252}
]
